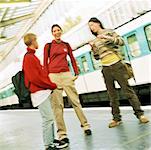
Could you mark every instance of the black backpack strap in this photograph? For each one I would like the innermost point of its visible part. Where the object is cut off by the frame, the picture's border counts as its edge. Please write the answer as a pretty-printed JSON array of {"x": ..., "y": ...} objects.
[
  {"x": 28, "y": 53},
  {"x": 49, "y": 47}
]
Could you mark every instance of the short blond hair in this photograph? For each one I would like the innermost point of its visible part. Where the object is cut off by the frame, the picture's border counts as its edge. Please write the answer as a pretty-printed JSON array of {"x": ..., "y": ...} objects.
[{"x": 28, "y": 38}]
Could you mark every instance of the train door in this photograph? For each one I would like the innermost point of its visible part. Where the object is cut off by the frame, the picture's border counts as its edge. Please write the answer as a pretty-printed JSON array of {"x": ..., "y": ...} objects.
[
  {"x": 147, "y": 30},
  {"x": 136, "y": 46}
]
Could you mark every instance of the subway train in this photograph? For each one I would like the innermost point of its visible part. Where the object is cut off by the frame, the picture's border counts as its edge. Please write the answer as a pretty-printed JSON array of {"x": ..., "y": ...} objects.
[{"x": 90, "y": 83}]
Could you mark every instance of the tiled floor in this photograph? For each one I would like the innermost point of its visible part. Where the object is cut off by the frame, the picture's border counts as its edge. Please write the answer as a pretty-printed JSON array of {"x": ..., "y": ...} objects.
[{"x": 21, "y": 130}]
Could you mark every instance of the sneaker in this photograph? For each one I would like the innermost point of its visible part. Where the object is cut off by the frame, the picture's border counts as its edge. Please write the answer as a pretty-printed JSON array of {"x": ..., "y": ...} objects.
[
  {"x": 88, "y": 132},
  {"x": 61, "y": 143},
  {"x": 55, "y": 141},
  {"x": 52, "y": 147},
  {"x": 114, "y": 123},
  {"x": 66, "y": 140},
  {"x": 143, "y": 119}
]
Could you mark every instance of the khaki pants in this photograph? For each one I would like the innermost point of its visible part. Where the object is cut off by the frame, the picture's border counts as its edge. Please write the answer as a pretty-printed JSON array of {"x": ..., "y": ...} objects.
[{"x": 65, "y": 80}]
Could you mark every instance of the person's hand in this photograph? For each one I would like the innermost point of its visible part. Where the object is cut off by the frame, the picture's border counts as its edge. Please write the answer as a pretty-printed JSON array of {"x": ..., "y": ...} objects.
[
  {"x": 102, "y": 36},
  {"x": 75, "y": 77},
  {"x": 93, "y": 47},
  {"x": 59, "y": 87},
  {"x": 91, "y": 43}
]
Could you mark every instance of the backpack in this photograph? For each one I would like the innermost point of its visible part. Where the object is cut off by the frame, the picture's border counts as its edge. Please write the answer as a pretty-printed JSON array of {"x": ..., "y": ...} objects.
[
  {"x": 49, "y": 47},
  {"x": 21, "y": 90}
]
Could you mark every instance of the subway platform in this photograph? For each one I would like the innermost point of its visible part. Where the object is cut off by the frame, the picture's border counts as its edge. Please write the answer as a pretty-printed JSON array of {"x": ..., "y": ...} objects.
[{"x": 21, "y": 130}]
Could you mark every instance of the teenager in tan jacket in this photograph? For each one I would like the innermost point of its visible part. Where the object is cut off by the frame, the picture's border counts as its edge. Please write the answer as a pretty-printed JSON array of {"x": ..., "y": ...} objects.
[{"x": 106, "y": 46}]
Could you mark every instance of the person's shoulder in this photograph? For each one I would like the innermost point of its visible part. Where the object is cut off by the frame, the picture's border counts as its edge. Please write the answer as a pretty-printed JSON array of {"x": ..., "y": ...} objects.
[
  {"x": 28, "y": 54},
  {"x": 65, "y": 42},
  {"x": 30, "y": 57},
  {"x": 47, "y": 44},
  {"x": 109, "y": 30}
]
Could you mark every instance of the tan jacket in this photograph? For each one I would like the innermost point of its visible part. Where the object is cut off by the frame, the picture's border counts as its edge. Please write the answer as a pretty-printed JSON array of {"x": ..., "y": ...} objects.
[{"x": 103, "y": 47}]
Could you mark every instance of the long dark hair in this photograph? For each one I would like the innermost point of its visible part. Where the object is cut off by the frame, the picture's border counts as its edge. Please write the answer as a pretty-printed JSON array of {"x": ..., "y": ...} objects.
[
  {"x": 55, "y": 25},
  {"x": 94, "y": 19}
]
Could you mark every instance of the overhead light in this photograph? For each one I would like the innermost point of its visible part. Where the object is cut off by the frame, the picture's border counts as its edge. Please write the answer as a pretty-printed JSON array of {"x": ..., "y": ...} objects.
[
  {"x": 14, "y": 3},
  {"x": 2, "y": 36},
  {"x": 4, "y": 39}
]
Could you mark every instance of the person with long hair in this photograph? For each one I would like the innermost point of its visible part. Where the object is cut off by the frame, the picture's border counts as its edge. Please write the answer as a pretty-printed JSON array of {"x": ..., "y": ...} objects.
[
  {"x": 59, "y": 72},
  {"x": 106, "y": 47}
]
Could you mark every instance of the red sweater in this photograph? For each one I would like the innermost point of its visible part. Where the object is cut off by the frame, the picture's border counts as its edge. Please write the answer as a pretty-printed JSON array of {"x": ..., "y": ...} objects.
[
  {"x": 57, "y": 61},
  {"x": 35, "y": 74}
]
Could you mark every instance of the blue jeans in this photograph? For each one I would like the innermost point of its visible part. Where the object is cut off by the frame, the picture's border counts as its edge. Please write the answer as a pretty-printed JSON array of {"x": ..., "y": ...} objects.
[{"x": 47, "y": 122}]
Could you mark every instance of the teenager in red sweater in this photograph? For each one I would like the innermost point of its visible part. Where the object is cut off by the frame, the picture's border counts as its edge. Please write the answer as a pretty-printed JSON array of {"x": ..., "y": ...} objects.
[
  {"x": 57, "y": 66},
  {"x": 40, "y": 87}
]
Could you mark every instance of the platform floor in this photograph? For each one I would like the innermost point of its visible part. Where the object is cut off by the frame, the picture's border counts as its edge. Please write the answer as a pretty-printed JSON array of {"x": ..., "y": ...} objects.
[{"x": 21, "y": 130}]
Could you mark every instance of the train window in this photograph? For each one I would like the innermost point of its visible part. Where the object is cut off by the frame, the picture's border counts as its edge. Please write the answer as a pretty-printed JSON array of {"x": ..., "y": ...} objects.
[
  {"x": 123, "y": 52},
  {"x": 71, "y": 68},
  {"x": 148, "y": 35},
  {"x": 78, "y": 65},
  {"x": 85, "y": 64},
  {"x": 134, "y": 45},
  {"x": 96, "y": 63},
  {"x": 3, "y": 95}
]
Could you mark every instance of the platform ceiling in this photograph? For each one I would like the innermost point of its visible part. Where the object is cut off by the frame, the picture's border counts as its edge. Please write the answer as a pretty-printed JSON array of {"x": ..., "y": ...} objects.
[{"x": 15, "y": 15}]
